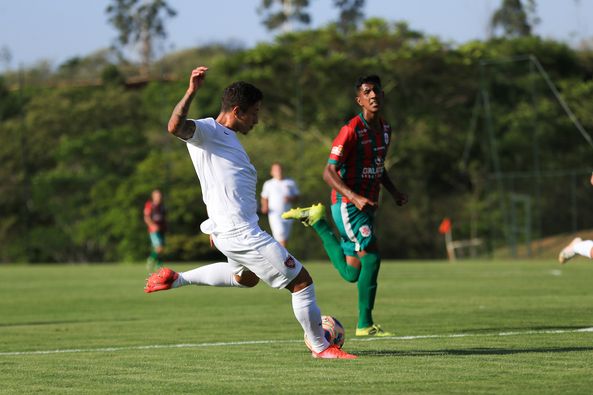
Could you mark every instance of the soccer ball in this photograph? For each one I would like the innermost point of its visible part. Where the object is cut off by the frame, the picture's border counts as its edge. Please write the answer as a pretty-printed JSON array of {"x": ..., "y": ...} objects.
[{"x": 334, "y": 331}]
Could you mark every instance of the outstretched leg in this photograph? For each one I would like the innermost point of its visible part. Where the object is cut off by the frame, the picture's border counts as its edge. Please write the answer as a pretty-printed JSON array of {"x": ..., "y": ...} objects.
[
  {"x": 576, "y": 246},
  {"x": 314, "y": 216},
  {"x": 215, "y": 275}
]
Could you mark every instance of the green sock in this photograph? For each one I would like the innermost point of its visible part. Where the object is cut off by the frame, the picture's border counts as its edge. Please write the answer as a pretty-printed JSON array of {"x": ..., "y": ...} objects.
[
  {"x": 334, "y": 251},
  {"x": 151, "y": 262},
  {"x": 367, "y": 288}
]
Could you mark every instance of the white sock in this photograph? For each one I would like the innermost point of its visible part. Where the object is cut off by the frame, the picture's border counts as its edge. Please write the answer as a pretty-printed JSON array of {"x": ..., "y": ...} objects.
[
  {"x": 308, "y": 314},
  {"x": 583, "y": 248},
  {"x": 217, "y": 275}
]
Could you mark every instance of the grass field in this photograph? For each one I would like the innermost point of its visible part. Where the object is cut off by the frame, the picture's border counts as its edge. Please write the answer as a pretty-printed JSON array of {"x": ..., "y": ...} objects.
[{"x": 471, "y": 327}]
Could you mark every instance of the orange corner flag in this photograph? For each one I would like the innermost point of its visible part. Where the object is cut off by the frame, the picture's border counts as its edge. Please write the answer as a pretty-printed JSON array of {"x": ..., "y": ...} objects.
[{"x": 445, "y": 226}]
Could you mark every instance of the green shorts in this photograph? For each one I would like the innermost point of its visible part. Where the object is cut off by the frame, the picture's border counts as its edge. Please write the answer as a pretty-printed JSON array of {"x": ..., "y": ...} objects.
[
  {"x": 157, "y": 239},
  {"x": 355, "y": 227}
]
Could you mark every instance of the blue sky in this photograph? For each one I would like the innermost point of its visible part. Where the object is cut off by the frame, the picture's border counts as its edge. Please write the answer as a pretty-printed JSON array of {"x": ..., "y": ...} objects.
[{"x": 57, "y": 30}]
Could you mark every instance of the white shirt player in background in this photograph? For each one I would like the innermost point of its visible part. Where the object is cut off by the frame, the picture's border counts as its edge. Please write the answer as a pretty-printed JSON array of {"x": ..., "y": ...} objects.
[
  {"x": 228, "y": 181},
  {"x": 277, "y": 196},
  {"x": 577, "y": 246}
]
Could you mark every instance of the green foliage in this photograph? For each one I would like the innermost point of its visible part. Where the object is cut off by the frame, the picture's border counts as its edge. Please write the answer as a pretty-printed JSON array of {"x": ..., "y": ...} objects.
[
  {"x": 513, "y": 17},
  {"x": 140, "y": 22},
  {"x": 350, "y": 13},
  {"x": 79, "y": 163},
  {"x": 288, "y": 11}
]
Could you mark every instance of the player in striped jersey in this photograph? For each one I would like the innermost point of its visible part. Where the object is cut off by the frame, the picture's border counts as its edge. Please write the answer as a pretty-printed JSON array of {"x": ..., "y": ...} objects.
[{"x": 355, "y": 171}]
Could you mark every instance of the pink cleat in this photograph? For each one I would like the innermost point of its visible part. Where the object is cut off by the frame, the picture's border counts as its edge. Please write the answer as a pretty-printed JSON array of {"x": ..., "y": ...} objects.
[
  {"x": 161, "y": 280},
  {"x": 333, "y": 352}
]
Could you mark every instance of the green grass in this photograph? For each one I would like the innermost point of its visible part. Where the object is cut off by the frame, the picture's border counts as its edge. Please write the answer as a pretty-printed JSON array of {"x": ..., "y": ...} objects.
[{"x": 91, "y": 308}]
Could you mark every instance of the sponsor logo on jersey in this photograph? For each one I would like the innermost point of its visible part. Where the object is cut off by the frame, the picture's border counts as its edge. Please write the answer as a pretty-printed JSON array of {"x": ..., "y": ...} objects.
[
  {"x": 367, "y": 141},
  {"x": 361, "y": 132},
  {"x": 372, "y": 172},
  {"x": 365, "y": 231},
  {"x": 337, "y": 150},
  {"x": 289, "y": 262}
]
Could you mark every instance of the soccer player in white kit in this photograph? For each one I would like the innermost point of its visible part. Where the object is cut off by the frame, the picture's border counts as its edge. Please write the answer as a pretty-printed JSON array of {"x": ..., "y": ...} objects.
[
  {"x": 228, "y": 181},
  {"x": 277, "y": 196},
  {"x": 577, "y": 246}
]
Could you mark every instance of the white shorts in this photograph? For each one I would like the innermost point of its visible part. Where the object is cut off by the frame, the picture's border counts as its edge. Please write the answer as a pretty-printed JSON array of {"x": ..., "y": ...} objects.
[
  {"x": 280, "y": 227},
  {"x": 255, "y": 250}
]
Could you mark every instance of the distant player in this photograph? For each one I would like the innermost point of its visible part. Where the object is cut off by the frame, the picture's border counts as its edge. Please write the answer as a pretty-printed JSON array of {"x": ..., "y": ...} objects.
[
  {"x": 155, "y": 220},
  {"x": 355, "y": 171},
  {"x": 228, "y": 181},
  {"x": 577, "y": 246},
  {"x": 277, "y": 196}
]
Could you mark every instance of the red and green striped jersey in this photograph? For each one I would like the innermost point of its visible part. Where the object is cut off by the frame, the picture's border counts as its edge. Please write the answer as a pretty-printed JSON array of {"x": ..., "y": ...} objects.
[{"x": 359, "y": 155}]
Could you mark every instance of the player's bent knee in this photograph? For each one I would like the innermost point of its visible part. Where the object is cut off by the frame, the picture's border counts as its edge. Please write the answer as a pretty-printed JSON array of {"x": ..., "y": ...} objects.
[
  {"x": 247, "y": 279},
  {"x": 352, "y": 275},
  {"x": 300, "y": 282}
]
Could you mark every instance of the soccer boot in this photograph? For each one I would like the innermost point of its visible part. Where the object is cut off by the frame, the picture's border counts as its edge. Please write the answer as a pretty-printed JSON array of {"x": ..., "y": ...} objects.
[
  {"x": 161, "y": 280},
  {"x": 374, "y": 330},
  {"x": 567, "y": 252},
  {"x": 307, "y": 215},
  {"x": 333, "y": 352}
]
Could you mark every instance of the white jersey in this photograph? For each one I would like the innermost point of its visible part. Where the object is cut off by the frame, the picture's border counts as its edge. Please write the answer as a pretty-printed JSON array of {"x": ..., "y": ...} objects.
[
  {"x": 227, "y": 177},
  {"x": 276, "y": 191}
]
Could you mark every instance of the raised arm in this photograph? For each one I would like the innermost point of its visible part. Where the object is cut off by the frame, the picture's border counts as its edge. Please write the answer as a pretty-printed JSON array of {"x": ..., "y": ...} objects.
[{"x": 178, "y": 124}]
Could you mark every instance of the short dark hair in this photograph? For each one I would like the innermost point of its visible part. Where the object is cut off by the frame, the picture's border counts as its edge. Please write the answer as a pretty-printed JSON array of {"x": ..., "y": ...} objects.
[
  {"x": 242, "y": 94},
  {"x": 369, "y": 79}
]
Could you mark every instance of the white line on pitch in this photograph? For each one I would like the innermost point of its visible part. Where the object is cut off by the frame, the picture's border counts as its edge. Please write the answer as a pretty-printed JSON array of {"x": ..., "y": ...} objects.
[{"x": 252, "y": 342}]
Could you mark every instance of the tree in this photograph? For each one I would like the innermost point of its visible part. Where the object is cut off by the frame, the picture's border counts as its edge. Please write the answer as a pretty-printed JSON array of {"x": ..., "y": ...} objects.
[
  {"x": 140, "y": 22},
  {"x": 350, "y": 14},
  {"x": 290, "y": 11},
  {"x": 5, "y": 56},
  {"x": 515, "y": 17}
]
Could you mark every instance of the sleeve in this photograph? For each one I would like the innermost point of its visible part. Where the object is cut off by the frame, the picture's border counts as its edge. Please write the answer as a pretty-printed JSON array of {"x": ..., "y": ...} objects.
[
  {"x": 294, "y": 189},
  {"x": 265, "y": 191},
  {"x": 147, "y": 208},
  {"x": 342, "y": 146},
  {"x": 199, "y": 134}
]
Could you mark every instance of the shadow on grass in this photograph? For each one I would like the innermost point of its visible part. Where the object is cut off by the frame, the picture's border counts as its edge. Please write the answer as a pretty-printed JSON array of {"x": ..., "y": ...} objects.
[
  {"x": 41, "y": 323},
  {"x": 526, "y": 328},
  {"x": 472, "y": 351}
]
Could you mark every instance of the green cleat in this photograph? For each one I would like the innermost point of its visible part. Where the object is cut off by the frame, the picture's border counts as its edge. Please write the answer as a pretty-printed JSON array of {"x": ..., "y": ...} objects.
[
  {"x": 374, "y": 330},
  {"x": 307, "y": 215}
]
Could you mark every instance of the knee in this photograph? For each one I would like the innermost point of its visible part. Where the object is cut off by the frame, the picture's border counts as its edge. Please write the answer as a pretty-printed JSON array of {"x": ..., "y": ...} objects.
[
  {"x": 352, "y": 275},
  {"x": 247, "y": 279},
  {"x": 300, "y": 282}
]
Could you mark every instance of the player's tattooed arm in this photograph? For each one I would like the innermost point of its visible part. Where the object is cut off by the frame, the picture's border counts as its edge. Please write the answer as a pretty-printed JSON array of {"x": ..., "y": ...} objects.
[{"x": 178, "y": 124}]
